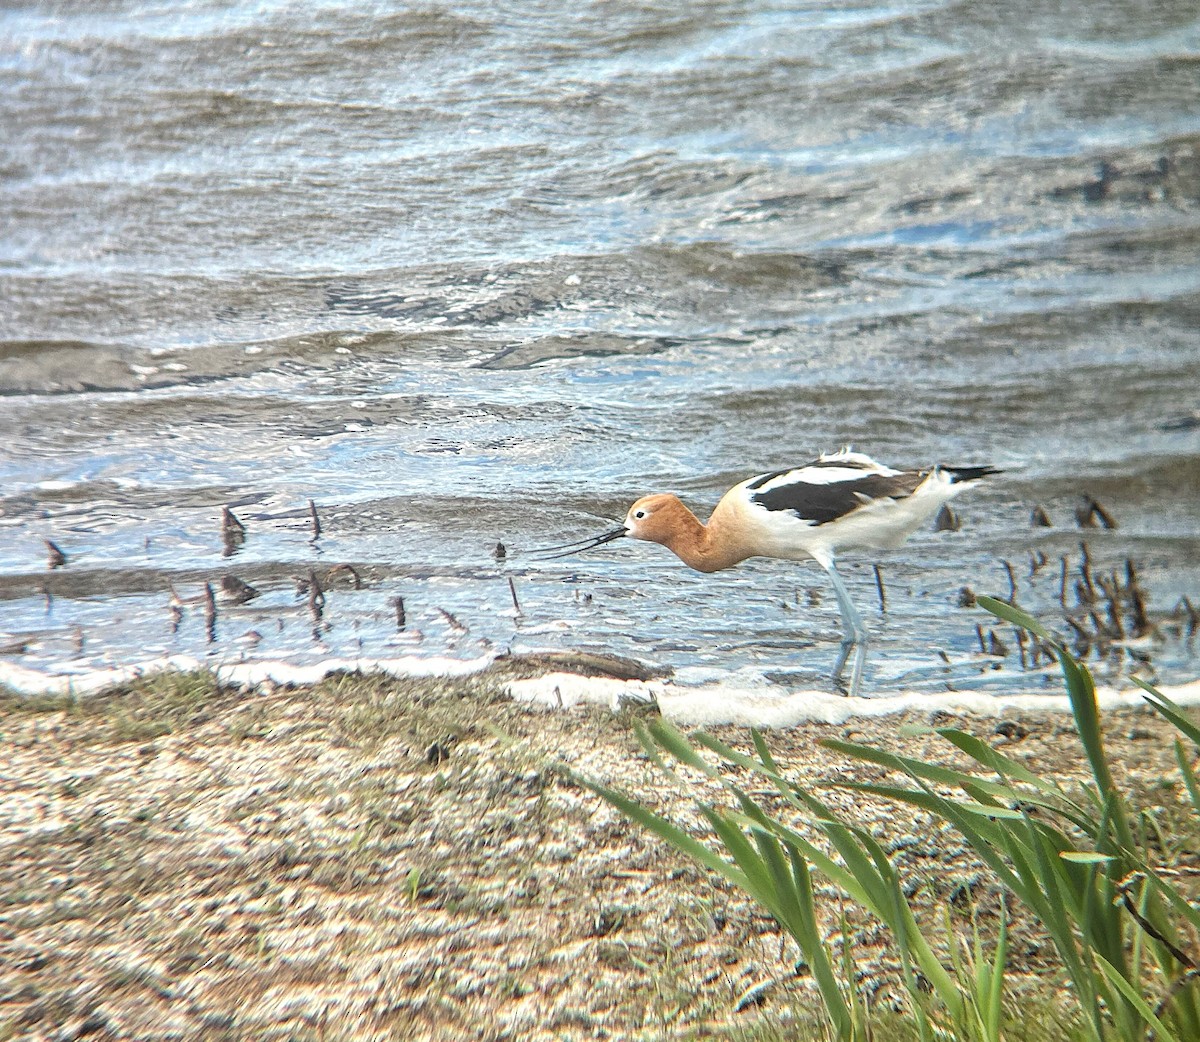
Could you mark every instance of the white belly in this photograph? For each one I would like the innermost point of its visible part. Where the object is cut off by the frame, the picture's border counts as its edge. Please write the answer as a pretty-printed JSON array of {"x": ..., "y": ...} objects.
[{"x": 879, "y": 524}]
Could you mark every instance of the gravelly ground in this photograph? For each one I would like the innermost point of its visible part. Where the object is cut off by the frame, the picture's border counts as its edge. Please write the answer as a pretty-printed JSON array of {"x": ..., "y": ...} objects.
[{"x": 370, "y": 859}]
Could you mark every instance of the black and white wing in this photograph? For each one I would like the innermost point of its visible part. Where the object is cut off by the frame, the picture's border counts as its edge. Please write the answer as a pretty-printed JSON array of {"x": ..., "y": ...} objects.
[{"x": 831, "y": 487}]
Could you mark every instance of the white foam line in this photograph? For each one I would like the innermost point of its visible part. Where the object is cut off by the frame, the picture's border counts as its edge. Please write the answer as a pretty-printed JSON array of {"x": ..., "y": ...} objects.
[
  {"x": 775, "y": 707},
  {"x": 705, "y": 706},
  {"x": 28, "y": 681},
  {"x": 248, "y": 674}
]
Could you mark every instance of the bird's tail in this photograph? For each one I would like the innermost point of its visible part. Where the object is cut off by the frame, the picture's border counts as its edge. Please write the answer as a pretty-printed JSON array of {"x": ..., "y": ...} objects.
[{"x": 958, "y": 474}]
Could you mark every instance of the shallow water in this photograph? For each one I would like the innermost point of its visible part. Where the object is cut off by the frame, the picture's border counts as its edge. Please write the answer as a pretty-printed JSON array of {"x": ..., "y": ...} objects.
[{"x": 486, "y": 273}]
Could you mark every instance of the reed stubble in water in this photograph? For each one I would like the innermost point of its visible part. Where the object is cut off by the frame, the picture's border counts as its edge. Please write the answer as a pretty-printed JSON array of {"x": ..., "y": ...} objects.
[
  {"x": 744, "y": 315},
  {"x": 55, "y": 558},
  {"x": 233, "y": 533}
]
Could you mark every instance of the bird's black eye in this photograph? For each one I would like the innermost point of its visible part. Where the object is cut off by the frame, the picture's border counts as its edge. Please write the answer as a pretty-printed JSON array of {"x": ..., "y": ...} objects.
[{"x": 640, "y": 514}]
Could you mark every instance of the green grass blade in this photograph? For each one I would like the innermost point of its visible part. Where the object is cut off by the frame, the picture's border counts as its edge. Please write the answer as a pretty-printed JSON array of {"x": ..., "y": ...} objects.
[
  {"x": 1081, "y": 689},
  {"x": 816, "y": 952},
  {"x": 798, "y": 906},
  {"x": 1176, "y": 899},
  {"x": 1054, "y": 800},
  {"x": 876, "y": 875},
  {"x": 904, "y": 764},
  {"x": 1189, "y": 775},
  {"x": 747, "y": 859},
  {"x": 1053, "y": 911},
  {"x": 675, "y": 742},
  {"x": 765, "y": 768},
  {"x": 989, "y": 830},
  {"x": 772, "y": 881},
  {"x": 770, "y": 854},
  {"x": 1013, "y": 614},
  {"x": 665, "y": 830},
  {"x": 858, "y": 862},
  {"x": 1086, "y": 857},
  {"x": 1005, "y": 766},
  {"x": 836, "y": 873},
  {"x": 931, "y": 802},
  {"x": 1064, "y": 854},
  {"x": 764, "y": 754},
  {"x": 994, "y": 993},
  {"x": 876, "y": 888},
  {"x": 1171, "y": 710},
  {"x": 1131, "y": 995},
  {"x": 650, "y": 746},
  {"x": 654, "y": 751}
]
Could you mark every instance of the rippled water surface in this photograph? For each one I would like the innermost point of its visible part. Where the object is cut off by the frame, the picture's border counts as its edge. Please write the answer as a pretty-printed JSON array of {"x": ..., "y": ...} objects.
[{"x": 483, "y": 273}]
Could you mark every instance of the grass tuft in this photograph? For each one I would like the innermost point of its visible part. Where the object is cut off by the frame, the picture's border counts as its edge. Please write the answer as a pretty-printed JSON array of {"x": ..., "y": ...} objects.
[{"x": 1086, "y": 862}]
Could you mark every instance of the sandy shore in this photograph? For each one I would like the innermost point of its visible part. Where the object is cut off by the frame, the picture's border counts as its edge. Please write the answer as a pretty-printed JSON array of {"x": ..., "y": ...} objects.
[{"x": 371, "y": 858}]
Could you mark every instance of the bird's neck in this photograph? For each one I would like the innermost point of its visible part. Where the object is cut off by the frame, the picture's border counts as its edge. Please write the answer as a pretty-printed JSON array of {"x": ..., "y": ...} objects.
[{"x": 707, "y": 548}]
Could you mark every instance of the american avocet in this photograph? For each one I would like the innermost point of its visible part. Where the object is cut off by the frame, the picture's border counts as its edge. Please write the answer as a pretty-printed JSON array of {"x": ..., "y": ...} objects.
[{"x": 839, "y": 501}]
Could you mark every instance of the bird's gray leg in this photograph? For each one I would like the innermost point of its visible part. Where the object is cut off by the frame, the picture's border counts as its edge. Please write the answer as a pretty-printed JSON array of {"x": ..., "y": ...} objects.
[{"x": 854, "y": 633}]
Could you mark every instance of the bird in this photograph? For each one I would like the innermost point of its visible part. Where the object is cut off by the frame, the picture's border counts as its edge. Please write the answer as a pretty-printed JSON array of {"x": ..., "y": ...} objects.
[{"x": 839, "y": 501}]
